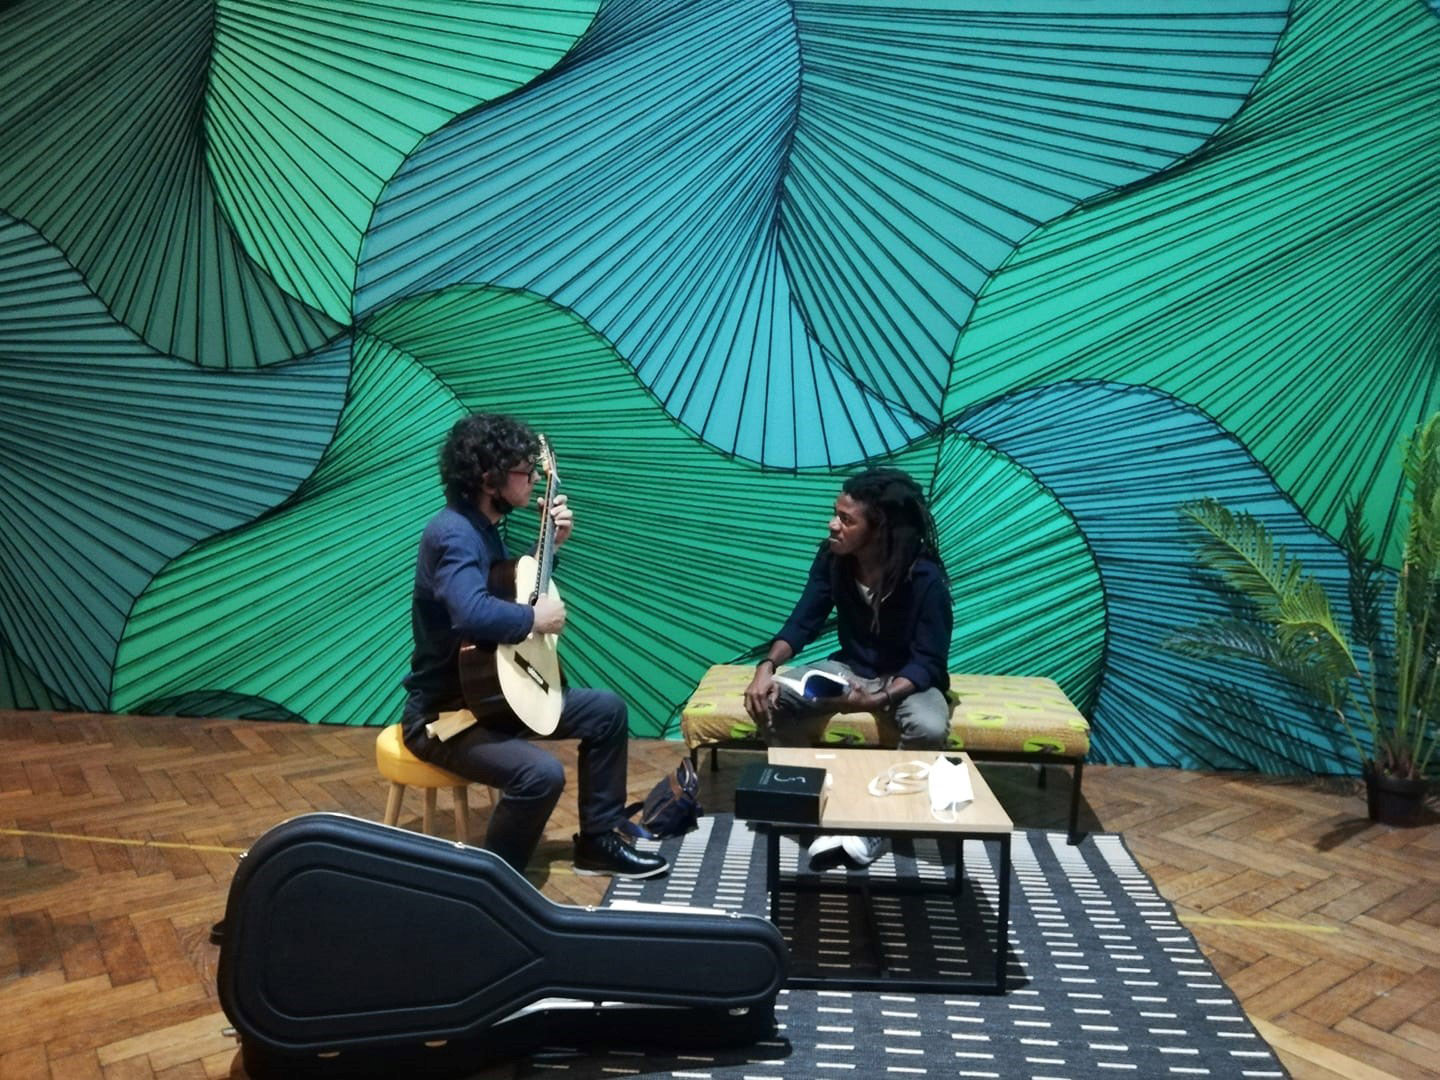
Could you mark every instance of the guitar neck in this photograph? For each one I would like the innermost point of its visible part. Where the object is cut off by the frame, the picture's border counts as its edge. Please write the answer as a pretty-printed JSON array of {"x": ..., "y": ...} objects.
[
  {"x": 545, "y": 556},
  {"x": 545, "y": 547}
]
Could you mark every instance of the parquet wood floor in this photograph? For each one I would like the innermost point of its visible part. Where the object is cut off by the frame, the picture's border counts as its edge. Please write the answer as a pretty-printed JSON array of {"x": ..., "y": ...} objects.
[{"x": 118, "y": 837}]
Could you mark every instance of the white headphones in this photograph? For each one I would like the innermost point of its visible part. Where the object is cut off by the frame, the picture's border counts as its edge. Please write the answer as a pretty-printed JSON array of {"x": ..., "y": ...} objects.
[
  {"x": 947, "y": 782},
  {"x": 902, "y": 779}
]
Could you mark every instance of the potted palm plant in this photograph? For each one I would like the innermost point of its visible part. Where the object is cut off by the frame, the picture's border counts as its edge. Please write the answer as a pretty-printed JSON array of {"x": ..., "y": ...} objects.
[{"x": 1288, "y": 625}]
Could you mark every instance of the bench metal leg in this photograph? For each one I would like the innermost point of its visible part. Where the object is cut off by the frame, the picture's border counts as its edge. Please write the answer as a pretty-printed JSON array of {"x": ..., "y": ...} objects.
[
  {"x": 1074, "y": 837},
  {"x": 714, "y": 749}
]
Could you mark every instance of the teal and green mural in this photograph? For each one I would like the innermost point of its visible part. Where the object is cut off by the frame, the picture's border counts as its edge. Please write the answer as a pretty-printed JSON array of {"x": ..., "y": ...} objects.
[{"x": 1072, "y": 264}]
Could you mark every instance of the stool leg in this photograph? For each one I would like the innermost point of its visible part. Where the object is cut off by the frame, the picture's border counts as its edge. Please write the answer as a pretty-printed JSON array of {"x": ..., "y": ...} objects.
[
  {"x": 462, "y": 813},
  {"x": 392, "y": 804},
  {"x": 428, "y": 821}
]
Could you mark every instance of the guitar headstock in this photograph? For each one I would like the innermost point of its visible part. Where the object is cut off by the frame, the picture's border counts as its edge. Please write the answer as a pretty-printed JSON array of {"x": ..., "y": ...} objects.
[
  {"x": 547, "y": 463},
  {"x": 545, "y": 548}
]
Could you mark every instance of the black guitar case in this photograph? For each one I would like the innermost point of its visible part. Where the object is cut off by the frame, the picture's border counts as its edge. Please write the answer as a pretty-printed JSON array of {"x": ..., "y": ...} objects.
[{"x": 350, "y": 947}]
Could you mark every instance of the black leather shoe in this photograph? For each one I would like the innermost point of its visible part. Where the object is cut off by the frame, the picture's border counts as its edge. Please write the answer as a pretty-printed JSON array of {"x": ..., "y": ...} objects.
[{"x": 610, "y": 854}]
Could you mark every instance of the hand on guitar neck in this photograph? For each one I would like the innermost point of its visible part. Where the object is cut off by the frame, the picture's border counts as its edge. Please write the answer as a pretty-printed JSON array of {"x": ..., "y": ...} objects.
[{"x": 549, "y": 614}]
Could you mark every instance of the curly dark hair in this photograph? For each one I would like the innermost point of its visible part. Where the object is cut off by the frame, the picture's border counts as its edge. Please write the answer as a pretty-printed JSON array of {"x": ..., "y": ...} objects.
[
  {"x": 895, "y": 508},
  {"x": 481, "y": 447}
]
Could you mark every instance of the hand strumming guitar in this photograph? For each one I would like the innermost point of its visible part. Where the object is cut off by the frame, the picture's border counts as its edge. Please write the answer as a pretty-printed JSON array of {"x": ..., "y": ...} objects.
[{"x": 549, "y": 615}]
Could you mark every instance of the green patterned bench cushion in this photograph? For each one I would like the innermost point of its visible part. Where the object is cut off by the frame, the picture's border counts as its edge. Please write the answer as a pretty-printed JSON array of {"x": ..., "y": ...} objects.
[{"x": 987, "y": 712}]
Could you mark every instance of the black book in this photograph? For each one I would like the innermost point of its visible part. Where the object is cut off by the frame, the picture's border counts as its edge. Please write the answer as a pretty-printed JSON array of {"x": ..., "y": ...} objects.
[{"x": 815, "y": 685}]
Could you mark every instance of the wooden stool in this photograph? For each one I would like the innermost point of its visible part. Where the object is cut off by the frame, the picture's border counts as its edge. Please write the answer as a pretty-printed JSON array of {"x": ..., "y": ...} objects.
[{"x": 403, "y": 769}]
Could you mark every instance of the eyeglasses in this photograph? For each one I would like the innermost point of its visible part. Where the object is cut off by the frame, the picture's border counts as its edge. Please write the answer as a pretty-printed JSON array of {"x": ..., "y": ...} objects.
[{"x": 532, "y": 471}]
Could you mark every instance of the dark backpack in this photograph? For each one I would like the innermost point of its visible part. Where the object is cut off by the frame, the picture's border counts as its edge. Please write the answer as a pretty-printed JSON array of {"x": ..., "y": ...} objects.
[{"x": 671, "y": 808}]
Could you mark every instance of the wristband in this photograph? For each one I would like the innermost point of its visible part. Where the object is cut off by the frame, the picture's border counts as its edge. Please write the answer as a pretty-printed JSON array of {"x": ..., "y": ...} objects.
[{"x": 767, "y": 660}]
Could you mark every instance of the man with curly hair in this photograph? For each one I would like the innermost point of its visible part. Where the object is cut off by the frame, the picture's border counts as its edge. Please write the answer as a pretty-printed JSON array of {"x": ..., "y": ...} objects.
[
  {"x": 880, "y": 572},
  {"x": 487, "y": 466}
]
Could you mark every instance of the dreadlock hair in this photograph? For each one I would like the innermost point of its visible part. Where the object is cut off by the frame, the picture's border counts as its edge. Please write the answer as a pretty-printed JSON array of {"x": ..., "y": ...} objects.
[
  {"x": 481, "y": 447},
  {"x": 894, "y": 507}
]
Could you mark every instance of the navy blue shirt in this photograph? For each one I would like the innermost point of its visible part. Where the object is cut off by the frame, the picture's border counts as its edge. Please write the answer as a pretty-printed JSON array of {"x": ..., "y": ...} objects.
[
  {"x": 912, "y": 638},
  {"x": 452, "y": 602}
]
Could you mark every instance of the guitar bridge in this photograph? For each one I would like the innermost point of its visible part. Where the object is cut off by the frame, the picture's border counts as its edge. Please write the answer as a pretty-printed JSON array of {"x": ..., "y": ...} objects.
[{"x": 531, "y": 670}]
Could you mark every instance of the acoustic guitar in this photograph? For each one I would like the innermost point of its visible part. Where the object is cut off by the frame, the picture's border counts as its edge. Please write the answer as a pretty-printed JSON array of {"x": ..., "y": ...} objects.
[{"x": 521, "y": 680}]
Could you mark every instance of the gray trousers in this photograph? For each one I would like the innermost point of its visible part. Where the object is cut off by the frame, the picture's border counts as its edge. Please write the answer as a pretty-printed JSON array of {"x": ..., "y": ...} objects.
[{"x": 922, "y": 719}]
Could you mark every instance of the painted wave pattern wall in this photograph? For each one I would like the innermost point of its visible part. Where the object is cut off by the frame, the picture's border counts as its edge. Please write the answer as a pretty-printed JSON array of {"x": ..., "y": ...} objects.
[{"x": 1070, "y": 264}]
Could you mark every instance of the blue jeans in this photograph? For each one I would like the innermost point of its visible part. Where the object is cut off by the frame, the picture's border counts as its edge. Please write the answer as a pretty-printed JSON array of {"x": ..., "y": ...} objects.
[{"x": 504, "y": 754}]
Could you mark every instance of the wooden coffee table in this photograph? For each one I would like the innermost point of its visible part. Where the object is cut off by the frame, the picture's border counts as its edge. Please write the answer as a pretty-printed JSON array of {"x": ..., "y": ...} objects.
[{"x": 850, "y": 808}]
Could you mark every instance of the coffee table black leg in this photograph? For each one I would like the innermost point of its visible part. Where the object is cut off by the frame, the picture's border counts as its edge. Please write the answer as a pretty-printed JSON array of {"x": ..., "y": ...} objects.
[
  {"x": 1002, "y": 916},
  {"x": 772, "y": 872},
  {"x": 872, "y": 925},
  {"x": 883, "y": 981}
]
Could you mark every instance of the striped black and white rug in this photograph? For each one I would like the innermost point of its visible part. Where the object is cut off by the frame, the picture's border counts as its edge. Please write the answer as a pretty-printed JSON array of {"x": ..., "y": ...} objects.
[{"x": 1104, "y": 982}]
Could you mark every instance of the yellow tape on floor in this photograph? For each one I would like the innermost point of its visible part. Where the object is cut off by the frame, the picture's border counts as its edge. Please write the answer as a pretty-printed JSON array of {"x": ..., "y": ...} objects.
[
  {"x": 121, "y": 840},
  {"x": 1259, "y": 924}
]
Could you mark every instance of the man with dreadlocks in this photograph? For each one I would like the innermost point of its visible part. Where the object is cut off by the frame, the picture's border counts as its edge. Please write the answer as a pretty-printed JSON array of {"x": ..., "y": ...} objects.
[{"x": 880, "y": 572}]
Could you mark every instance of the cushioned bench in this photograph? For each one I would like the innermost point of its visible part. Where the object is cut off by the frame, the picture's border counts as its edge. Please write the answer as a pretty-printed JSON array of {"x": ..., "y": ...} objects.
[{"x": 992, "y": 718}]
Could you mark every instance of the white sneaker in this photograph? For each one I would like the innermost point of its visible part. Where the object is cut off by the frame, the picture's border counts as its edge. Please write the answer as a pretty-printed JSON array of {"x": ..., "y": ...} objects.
[
  {"x": 826, "y": 853},
  {"x": 864, "y": 850}
]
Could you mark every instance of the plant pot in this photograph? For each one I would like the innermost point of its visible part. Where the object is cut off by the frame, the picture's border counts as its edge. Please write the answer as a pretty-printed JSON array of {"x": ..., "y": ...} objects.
[{"x": 1394, "y": 800}]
